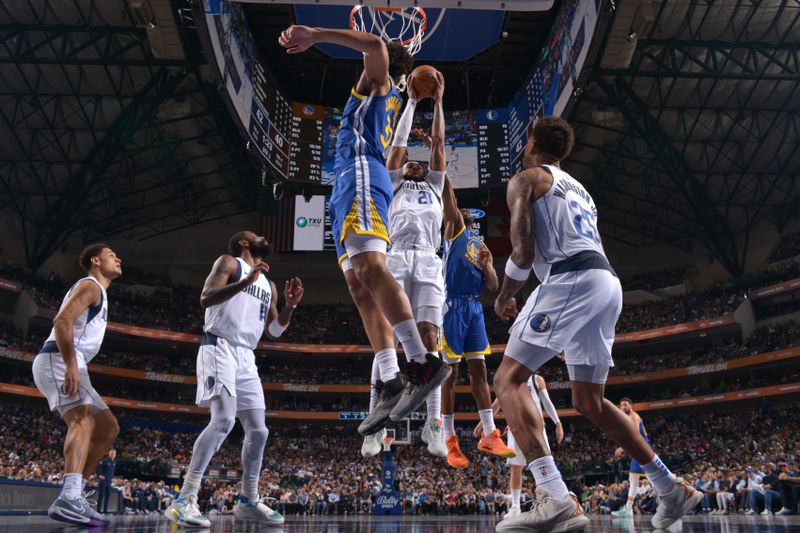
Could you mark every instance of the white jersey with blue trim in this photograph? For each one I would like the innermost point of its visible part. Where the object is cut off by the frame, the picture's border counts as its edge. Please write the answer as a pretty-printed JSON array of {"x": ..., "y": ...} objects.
[
  {"x": 416, "y": 212},
  {"x": 88, "y": 329},
  {"x": 240, "y": 320},
  {"x": 565, "y": 222}
]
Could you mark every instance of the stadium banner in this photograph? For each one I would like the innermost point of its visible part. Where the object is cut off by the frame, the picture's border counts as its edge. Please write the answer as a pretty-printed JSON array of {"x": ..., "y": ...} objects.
[
  {"x": 338, "y": 349},
  {"x": 309, "y": 223},
  {"x": 27, "y": 497},
  {"x": 690, "y": 401},
  {"x": 9, "y": 285},
  {"x": 311, "y": 388},
  {"x": 778, "y": 288}
]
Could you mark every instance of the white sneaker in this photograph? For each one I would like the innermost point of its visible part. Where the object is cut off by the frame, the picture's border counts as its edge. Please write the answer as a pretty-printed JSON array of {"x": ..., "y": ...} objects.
[
  {"x": 187, "y": 513},
  {"x": 750, "y": 512},
  {"x": 373, "y": 444},
  {"x": 256, "y": 510},
  {"x": 784, "y": 511},
  {"x": 623, "y": 512},
  {"x": 433, "y": 436},
  {"x": 671, "y": 507},
  {"x": 766, "y": 512},
  {"x": 547, "y": 514},
  {"x": 513, "y": 511}
]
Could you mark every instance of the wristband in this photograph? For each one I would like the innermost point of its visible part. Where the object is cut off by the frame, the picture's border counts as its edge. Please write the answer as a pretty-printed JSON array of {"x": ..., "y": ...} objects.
[
  {"x": 516, "y": 273},
  {"x": 276, "y": 329}
]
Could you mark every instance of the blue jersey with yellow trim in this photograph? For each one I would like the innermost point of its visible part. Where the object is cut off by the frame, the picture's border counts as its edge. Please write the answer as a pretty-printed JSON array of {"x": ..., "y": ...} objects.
[
  {"x": 642, "y": 431},
  {"x": 367, "y": 126},
  {"x": 463, "y": 274}
]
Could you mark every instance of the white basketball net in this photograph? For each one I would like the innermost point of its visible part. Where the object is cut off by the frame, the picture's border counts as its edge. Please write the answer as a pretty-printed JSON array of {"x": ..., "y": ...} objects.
[{"x": 394, "y": 25}]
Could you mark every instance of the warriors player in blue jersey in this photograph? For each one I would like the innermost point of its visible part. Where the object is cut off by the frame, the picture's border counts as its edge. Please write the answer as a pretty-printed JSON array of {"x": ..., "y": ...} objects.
[
  {"x": 359, "y": 218},
  {"x": 61, "y": 374},
  {"x": 240, "y": 304},
  {"x": 636, "y": 471},
  {"x": 574, "y": 309}
]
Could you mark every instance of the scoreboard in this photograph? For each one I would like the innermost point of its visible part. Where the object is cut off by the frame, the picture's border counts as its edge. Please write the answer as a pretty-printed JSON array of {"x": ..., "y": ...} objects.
[
  {"x": 493, "y": 159},
  {"x": 306, "y": 143}
]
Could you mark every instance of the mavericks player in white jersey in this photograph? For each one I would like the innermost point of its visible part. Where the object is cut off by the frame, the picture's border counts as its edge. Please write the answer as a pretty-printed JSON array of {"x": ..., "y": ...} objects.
[
  {"x": 415, "y": 229},
  {"x": 541, "y": 400},
  {"x": 240, "y": 303},
  {"x": 61, "y": 375},
  {"x": 575, "y": 310}
]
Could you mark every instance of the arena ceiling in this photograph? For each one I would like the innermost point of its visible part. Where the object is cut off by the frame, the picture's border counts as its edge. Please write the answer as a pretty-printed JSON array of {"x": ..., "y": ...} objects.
[{"x": 687, "y": 128}]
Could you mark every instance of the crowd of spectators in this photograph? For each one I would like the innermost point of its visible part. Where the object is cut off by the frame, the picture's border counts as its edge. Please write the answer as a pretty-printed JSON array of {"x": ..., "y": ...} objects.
[
  {"x": 788, "y": 246},
  {"x": 658, "y": 279},
  {"x": 309, "y": 469},
  {"x": 149, "y": 300}
]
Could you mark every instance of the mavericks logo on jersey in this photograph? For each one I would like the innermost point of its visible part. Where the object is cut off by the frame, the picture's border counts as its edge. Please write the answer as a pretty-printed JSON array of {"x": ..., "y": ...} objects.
[{"x": 540, "y": 323}]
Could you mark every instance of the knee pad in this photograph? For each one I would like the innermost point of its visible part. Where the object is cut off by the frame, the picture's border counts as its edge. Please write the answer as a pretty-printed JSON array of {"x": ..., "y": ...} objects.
[{"x": 258, "y": 435}]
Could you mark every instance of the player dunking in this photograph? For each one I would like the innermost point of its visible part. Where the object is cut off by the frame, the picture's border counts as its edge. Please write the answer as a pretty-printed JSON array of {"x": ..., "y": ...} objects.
[
  {"x": 61, "y": 375},
  {"x": 574, "y": 309},
  {"x": 468, "y": 268},
  {"x": 359, "y": 217},
  {"x": 541, "y": 400},
  {"x": 240, "y": 303},
  {"x": 635, "y": 472}
]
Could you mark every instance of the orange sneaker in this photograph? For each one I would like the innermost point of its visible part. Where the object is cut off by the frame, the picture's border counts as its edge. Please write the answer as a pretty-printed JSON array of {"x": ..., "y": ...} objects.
[
  {"x": 494, "y": 444},
  {"x": 455, "y": 458}
]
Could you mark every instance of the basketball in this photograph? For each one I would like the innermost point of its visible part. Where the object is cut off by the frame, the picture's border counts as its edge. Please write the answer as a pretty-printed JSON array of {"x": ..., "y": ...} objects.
[{"x": 423, "y": 79}]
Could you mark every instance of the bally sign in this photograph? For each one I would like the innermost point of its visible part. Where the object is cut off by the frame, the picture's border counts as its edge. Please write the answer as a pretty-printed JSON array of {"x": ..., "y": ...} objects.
[{"x": 309, "y": 223}]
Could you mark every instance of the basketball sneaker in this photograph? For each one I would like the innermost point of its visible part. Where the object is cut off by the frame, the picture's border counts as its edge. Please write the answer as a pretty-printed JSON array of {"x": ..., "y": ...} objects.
[
  {"x": 421, "y": 378},
  {"x": 388, "y": 395},
  {"x": 372, "y": 444},
  {"x": 494, "y": 444},
  {"x": 247, "y": 509},
  {"x": 77, "y": 511},
  {"x": 185, "y": 512},
  {"x": 513, "y": 511},
  {"x": 433, "y": 436},
  {"x": 455, "y": 458},
  {"x": 671, "y": 507},
  {"x": 548, "y": 514},
  {"x": 623, "y": 512}
]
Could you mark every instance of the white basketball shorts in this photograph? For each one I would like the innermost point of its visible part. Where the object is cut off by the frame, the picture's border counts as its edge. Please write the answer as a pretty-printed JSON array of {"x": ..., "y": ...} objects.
[
  {"x": 48, "y": 374},
  {"x": 520, "y": 460},
  {"x": 419, "y": 273},
  {"x": 575, "y": 312},
  {"x": 221, "y": 364}
]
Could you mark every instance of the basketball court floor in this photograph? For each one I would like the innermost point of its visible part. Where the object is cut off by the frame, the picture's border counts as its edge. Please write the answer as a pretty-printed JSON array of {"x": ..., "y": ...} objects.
[{"x": 413, "y": 524}]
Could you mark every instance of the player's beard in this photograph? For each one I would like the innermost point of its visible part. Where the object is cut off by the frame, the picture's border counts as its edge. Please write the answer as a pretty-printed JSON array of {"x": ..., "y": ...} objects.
[{"x": 260, "y": 249}]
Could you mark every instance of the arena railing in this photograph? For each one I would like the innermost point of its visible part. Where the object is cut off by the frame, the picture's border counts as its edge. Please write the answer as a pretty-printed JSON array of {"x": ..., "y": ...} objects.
[
  {"x": 658, "y": 405},
  {"x": 314, "y": 388}
]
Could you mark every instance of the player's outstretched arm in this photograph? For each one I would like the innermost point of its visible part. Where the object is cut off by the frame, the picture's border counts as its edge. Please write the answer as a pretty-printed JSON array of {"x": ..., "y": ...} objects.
[
  {"x": 486, "y": 260},
  {"x": 453, "y": 220},
  {"x": 438, "y": 160},
  {"x": 85, "y": 294},
  {"x": 397, "y": 155},
  {"x": 217, "y": 289},
  {"x": 292, "y": 294},
  {"x": 520, "y": 197},
  {"x": 297, "y": 39}
]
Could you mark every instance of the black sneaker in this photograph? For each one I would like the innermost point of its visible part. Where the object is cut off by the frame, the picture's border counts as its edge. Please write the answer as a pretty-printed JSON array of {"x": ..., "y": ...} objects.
[
  {"x": 421, "y": 378},
  {"x": 388, "y": 395}
]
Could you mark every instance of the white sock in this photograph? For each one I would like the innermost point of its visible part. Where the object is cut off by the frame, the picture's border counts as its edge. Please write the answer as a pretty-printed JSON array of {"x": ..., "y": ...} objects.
[
  {"x": 250, "y": 489},
  {"x": 487, "y": 419},
  {"x": 387, "y": 364},
  {"x": 191, "y": 484},
  {"x": 547, "y": 476},
  {"x": 659, "y": 475},
  {"x": 633, "y": 486},
  {"x": 374, "y": 377},
  {"x": 449, "y": 425},
  {"x": 433, "y": 403},
  {"x": 516, "y": 494},
  {"x": 73, "y": 486},
  {"x": 408, "y": 335}
]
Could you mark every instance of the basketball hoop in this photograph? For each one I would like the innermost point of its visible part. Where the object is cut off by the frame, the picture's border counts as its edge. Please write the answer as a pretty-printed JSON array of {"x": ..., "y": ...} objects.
[{"x": 404, "y": 25}]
